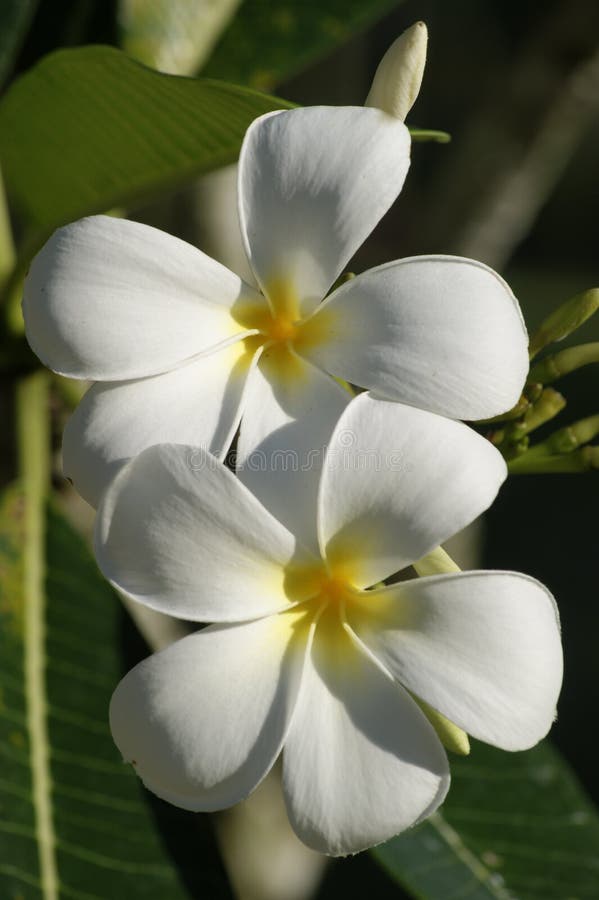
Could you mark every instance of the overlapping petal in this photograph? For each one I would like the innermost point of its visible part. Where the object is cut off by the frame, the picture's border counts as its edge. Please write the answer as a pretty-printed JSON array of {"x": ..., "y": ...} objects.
[
  {"x": 313, "y": 183},
  {"x": 483, "y": 648},
  {"x": 437, "y": 332},
  {"x": 108, "y": 299},
  {"x": 199, "y": 403},
  {"x": 397, "y": 482},
  {"x": 204, "y": 720},
  {"x": 361, "y": 762},
  {"x": 177, "y": 531},
  {"x": 291, "y": 409}
]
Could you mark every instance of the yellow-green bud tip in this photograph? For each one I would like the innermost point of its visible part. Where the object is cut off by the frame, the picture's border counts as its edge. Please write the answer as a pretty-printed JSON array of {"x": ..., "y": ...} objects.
[
  {"x": 398, "y": 78},
  {"x": 453, "y": 738}
]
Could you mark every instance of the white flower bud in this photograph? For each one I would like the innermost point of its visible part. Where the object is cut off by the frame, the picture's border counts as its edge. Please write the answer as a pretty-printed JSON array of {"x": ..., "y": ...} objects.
[{"x": 398, "y": 78}]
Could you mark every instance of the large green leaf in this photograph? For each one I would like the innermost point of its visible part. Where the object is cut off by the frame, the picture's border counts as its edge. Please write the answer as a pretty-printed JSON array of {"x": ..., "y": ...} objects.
[
  {"x": 15, "y": 16},
  {"x": 514, "y": 826},
  {"x": 269, "y": 40},
  {"x": 75, "y": 823},
  {"x": 173, "y": 35},
  {"x": 90, "y": 129}
]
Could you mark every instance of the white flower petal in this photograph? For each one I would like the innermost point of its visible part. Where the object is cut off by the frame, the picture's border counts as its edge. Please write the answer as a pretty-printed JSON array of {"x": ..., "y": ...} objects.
[
  {"x": 397, "y": 482},
  {"x": 199, "y": 404},
  {"x": 483, "y": 648},
  {"x": 313, "y": 183},
  {"x": 204, "y": 720},
  {"x": 361, "y": 762},
  {"x": 291, "y": 409},
  {"x": 437, "y": 332},
  {"x": 177, "y": 531},
  {"x": 108, "y": 299}
]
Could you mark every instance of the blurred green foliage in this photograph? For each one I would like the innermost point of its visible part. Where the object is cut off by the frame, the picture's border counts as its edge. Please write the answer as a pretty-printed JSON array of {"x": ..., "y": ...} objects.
[
  {"x": 270, "y": 40},
  {"x": 15, "y": 17},
  {"x": 173, "y": 36},
  {"x": 89, "y": 129}
]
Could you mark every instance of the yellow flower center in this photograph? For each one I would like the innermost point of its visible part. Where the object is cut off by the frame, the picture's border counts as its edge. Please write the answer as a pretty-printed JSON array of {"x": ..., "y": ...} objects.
[
  {"x": 280, "y": 330},
  {"x": 329, "y": 597},
  {"x": 279, "y": 324},
  {"x": 320, "y": 586}
]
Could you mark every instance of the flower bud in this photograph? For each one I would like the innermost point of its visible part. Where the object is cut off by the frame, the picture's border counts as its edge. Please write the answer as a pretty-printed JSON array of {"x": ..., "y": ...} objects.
[
  {"x": 398, "y": 78},
  {"x": 565, "y": 319},
  {"x": 453, "y": 738},
  {"x": 564, "y": 362}
]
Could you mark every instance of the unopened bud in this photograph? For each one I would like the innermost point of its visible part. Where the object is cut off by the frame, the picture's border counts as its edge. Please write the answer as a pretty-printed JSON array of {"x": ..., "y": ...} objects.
[
  {"x": 549, "y": 404},
  {"x": 437, "y": 562},
  {"x": 398, "y": 78},
  {"x": 564, "y": 320},
  {"x": 568, "y": 439},
  {"x": 553, "y": 367},
  {"x": 451, "y": 736}
]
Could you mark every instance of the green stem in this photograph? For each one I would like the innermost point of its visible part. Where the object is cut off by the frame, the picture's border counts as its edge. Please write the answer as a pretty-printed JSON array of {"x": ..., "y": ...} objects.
[
  {"x": 545, "y": 408},
  {"x": 550, "y": 455},
  {"x": 553, "y": 367},
  {"x": 430, "y": 134},
  {"x": 516, "y": 412},
  {"x": 33, "y": 452},
  {"x": 564, "y": 320},
  {"x": 573, "y": 436},
  {"x": 7, "y": 247},
  {"x": 582, "y": 460}
]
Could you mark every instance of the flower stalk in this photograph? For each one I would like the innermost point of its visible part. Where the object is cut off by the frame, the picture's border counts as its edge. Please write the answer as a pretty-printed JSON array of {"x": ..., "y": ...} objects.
[
  {"x": 559, "y": 364},
  {"x": 7, "y": 247},
  {"x": 563, "y": 451},
  {"x": 564, "y": 320},
  {"x": 512, "y": 440},
  {"x": 582, "y": 460}
]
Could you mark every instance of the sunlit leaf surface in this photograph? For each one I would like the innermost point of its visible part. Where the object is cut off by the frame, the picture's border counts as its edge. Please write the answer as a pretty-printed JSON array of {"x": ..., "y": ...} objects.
[
  {"x": 90, "y": 129},
  {"x": 269, "y": 40}
]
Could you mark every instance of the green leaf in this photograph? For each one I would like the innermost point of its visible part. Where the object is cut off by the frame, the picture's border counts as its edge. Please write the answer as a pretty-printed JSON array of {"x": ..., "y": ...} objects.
[
  {"x": 269, "y": 40},
  {"x": 173, "y": 36},
  {"x": 75, "y": 822},
  {"x": 515, "y": 825},
  {"x": 90, "y": 129},
  {"x": 15, "y": 16}
]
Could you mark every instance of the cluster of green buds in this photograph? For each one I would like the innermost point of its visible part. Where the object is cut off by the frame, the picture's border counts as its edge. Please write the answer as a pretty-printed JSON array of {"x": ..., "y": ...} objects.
[{"x": 567, "y": 449}]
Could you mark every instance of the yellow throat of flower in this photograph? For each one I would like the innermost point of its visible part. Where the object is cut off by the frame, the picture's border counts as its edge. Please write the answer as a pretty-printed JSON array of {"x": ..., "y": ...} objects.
[
  {"x": 279, "y": 323},
  {"x": 330, "y": 598}
]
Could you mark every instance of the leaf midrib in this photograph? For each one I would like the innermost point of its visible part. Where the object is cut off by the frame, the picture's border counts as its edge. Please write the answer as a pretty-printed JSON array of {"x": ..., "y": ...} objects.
[
  {"x": 467, "y": 857},
  {"x": 33, "y": 440}
]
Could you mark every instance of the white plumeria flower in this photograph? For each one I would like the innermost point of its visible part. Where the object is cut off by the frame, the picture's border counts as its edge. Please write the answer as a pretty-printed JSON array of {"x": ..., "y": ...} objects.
[
  {"x": 181, "y": 347},
  {"x": 309, "y": 659}
]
